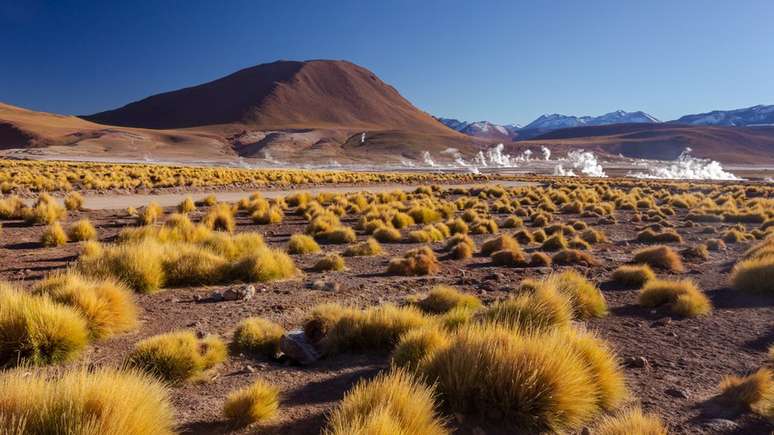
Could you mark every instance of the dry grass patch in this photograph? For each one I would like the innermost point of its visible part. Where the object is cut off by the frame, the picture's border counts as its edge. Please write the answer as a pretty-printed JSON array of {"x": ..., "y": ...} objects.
[
  {"x": 53, "y": 235},
  {"x": 660, "y": 257},
  {"x": 177, "y": 356},
  {"x": 442, "y": 298},
  {"x": 542, "y": 309},
  {"x": 631, "y": 421},
  {"x": 569, "y": 257},
  {"x": 587, "y": 300},
  {"x": 82, "y": 230},
  {"x": 684, "y": 297},
  {"x": 73, "y": 201},
  {"x": 370, "y": 247},
  {"x": 391, "y": 403},
  {"x": 302, "y": 244},
  {"x": 503, "y": 242},
  {"x": 257, "y": 403},
  {"x": 420, "y": 261},
  {"x": 258, "y": 335},
  {"x": 107, "y": 305},
  {"x": 633, "y": 275},
  {"x": 331, "y": 262},
  {"x": 36, "y": 330},
  {"x": 748, "y": 391},
  {"x": 417, "y": 344},
  {"x": 80, "y": 402}
]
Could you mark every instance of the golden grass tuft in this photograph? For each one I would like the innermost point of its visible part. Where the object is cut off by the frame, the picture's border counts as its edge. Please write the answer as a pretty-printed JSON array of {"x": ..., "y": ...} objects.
[
  {"x": 420, "y": 261},
  {"x": 569, "y": 257},
  {"x": 587, "y": 300},
  {"x": 77, "y": 401},
  {"x": 442, "y": 298},
  {"x": 391, "y": 403},
  {"x": 377, "y": 328},
  {"x": 754, "y": 275},
  {"x": 331, "y": 262},
  {"x": 667, "y": 236},
  {"x": 186, "y": 206},
  {"x": 53, "y": 235},
  {"x": 660, "y": 257},
  {"x": 417, "y": 344},
  {"x": 302, "y": 244},
  {"x": 387, "y": 235},
  {"x": 368, "y": 248},
  {"x": 36, "y": 330},
  {"x": 509, "y": 258},
  {"x": 533, "y": 382},
  {"x": 107, "y": 305},
  {"x": 684, "y": 297},
  {"x": 554, "y": 243},
  {"x": 150, "y": 214},
  {"x": 220, "y": 217},
  {"x": 503, "y": 242},
  {"x": 633, "y": 275},
  {"x": 257, "y": 403},
  {"x": 177, "y": 356},
  {"x": 82, "y": 230},
  {"x": 73, "y": 201},
  {"x": 543, "y": 309},
  {"x": 630, "y": 421},
  {"x": 258, "y": 335},
  {"x": 749, "y": 390}
]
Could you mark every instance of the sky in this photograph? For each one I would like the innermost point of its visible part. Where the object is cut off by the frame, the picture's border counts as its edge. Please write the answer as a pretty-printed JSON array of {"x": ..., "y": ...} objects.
[{"x": 502, "y": 61}]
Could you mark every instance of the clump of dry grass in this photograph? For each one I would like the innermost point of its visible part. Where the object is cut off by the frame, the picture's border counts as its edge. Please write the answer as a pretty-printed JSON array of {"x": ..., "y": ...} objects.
[
  {"x": 368, "y": 248},
  {"x": 630, "y": 421},
  {"x": 391, "y": 403},
  {"x": 107, "y": 305},
  {"x": 543, "y": 309},
  {"x": 684, "y": 297},
  {"x": 270, "y": 215},
  {"x": 258, "y": 335},
  {"x": 177, "y": 356},
  {"x": 568, "y": 257},
  {"x": 666, "y": 236},
  {"x": 82, "y": 230},
  {"x": 257, "y": 403},
  {"x": 302, "y": 244},
  {"x": 442, "y": 298},
  {"x": 535, "y": 381},
  {"x": 754, "y": 275},
  {"x": 331, "y": 262},
  {"x": 509, "y": 258},
  {"x": 36, "y": 330},
  {"x": 421, "y": 261},
  {"x": 748, "y": 391},
  {"x": 338, "y": 235},
  {"x": 53, "y": 235},
  {"x": 503, "y": 242},
  {"x": 540, "y": 259},
  {"x": 593, "y": 236},
  {"x": 660, "y": 257},
  {"x": 633, "y": 275},
  {"x": 186, "y": 206},
  {"x": 377, "y": 328},
  {"x": 387, "y": 235},
  {"x": 587, "y": 300},
  {"x": 73, "y": 201},
  {"x": 220, "y": 217},
  {"x": 45, "y": 211},
  {"x": 554, "y": 243},
  {"x": 77, "y": 401},
  {"x": 417, "y": 344},
  {"x": 150, "y": 214}
]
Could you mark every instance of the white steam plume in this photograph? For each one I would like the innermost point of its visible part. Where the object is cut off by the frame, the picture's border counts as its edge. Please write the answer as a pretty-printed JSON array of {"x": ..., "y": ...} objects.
[
  {"x": 584, "y": 161},
  {"x": 686, "y": 167}
]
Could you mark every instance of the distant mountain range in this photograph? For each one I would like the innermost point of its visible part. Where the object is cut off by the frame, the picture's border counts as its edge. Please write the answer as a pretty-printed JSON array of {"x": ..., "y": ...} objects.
[{"x": 748, "y": 117}]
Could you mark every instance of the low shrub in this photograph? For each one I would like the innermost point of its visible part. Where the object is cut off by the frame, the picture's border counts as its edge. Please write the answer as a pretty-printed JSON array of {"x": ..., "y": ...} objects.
[
  {"x": 177, "y": 356},
  {"x": 368, "y": 248},
  {"x": 337, "y": 236},
  {"x": 302, "y": 244},
  {"x": 107, "y": 305},
  {"x": 587, "y": 300},
  {"x": 73, "y": 201},
  {"x": 509, "y": 258},
  {"x": 748, "y": 391},
  {"x": 186, "y": 206},
  {"x": 568, "y": 257},
  {"x": 660, "y": 257},
  {"x": 543, "y": 309},
  {"x": 442, "y": 298},
  {"x": 630, "y": 421},
  {"x": 80, "y": 401},
  {"x": 220, "y": 217},
  {"x": 82, "y": 230},
  {"x": 150, "y": 214},
  {"x": 331, "y": 262},
  {"x": 540, "y": 259},
  {"x": 503, "y": 242},
  {"x": 593, "y": 236},
  {"x": 387, "y": 235},
  {"x": 391, "y": 403},
  {"x": 36, "y": 330},
  {"x": 699, "y": 251},
  {"x": 754, "y": 275},
  {"x": 259, "y": 336},
  {"x": 257, "y": 403},
  {"x": 667, "y": 236},
  {"x": 554, "y": 243},
  {"x": 634, "y": 275},
  {"x": 421, "y": 261},
  {"x": 684, "y": 297},
  {"x": 377, "y": 328},
  {"x": 54, "y": 235},
  {"x": 417, "y": 344}
]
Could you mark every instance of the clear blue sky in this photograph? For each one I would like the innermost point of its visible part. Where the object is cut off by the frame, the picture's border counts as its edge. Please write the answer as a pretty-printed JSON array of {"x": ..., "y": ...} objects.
[{"x": 504, "y": 61}]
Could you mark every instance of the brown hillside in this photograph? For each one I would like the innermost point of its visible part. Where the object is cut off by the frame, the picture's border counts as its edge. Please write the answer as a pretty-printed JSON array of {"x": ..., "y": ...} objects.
[{"x": 281, "y": 95}]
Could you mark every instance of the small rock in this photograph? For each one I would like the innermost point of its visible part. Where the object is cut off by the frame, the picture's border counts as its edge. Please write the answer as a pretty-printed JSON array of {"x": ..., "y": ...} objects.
[
  {"x": 250, "y": 369},
  {"x": 586, "y": 431},
  {"x": 242, "y": 293},
  {"x": 679, "y": 393},
  {"x": 638, "y": 362},
  {"x": 661, "y": 322},
  {"x": 297, "y": 347},
  {"x": 215, "y": 296},
  {"x": 494, "y": 277},
  {"x": 721, "y": 425}
]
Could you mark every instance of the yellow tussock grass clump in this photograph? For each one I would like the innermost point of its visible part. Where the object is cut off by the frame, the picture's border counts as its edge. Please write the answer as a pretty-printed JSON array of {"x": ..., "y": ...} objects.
[
  {"x": 256, "y": 403},
  {"x": 177, "y": 356},
  {"x": 443, "y": 298},
  {"x": 684, "y": 297},
  {"x": 258, "y": 335}
]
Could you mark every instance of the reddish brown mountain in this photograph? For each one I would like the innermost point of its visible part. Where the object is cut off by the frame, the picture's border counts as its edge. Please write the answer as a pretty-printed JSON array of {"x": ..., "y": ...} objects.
[{"x": 281, "y": 95}]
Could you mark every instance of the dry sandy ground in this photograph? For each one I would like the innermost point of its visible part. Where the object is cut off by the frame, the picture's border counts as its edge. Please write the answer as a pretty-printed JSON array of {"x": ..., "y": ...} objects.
[{"x": 685, "y": 358}]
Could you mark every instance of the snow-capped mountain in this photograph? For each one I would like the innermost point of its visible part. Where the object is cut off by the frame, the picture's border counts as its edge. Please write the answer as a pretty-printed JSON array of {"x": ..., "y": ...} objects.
[
  {"x": 556, "y": 121},
  {"x": 481, "y": 128},
  {"x": 750, "y": 116}
]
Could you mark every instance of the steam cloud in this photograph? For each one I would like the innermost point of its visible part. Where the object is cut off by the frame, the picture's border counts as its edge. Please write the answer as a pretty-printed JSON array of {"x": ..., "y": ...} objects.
[
  {"x": 686, "y": 167},
  {"x": 584, "y": 161}
]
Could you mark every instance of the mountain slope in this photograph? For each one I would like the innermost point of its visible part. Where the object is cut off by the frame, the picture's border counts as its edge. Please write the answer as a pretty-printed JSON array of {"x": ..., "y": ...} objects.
[
  {"x": 280, "y": 95},
  {"x": 750, "y": 116}
]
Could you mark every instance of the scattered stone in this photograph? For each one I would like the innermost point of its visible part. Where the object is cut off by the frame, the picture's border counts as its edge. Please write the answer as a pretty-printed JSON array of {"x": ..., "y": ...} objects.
[
  {"x": 321, "y": 284},
  {"x": 241, "y": 293},
  {"x": 679, "y": 393},
  {"x": 661, "y": 322},
  {"x": 297, "y": 347},
  {"x": 250, "y": 368},
  {"x": 721, "y": 425},
  {"x": 215, "y": 296},
  {"x": 637, "y": 362},
  {"x": 494, "y": 277}
]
